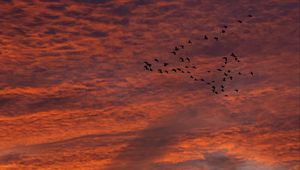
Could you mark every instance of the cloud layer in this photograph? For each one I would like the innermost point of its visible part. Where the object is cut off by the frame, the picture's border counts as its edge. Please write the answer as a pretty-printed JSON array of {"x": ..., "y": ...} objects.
[{"x": 74, "y": 93}]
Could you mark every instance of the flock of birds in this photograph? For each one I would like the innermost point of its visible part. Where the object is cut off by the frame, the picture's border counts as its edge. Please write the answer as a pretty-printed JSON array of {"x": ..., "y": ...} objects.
[{"x": 217, "y": 86}]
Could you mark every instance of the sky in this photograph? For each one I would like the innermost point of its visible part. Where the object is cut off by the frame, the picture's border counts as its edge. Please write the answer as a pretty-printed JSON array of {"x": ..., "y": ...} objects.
[{"x": 74, "y": 93}]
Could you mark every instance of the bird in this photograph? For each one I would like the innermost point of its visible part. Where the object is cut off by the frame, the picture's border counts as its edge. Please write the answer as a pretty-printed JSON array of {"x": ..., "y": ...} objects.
[
  {"x": 240, "y": 21},
  {"x": 213, "y": 87},
  {"x": 176, "y": 48},
  {"x": 228, "y": 71},
  {"x": 191, "y": 77},
  {"x": 216, "y": 92},
  {"x": 233, "y": 55},
  {"x": 150, "y": 69},
  {"x": 181, "y": 59},
  {"x": 236, "y": 90},
  {"x": 222, "y": 90},
  {"x": 250, "y": 15},
  {"x": 186, "y": 66},
  {"x": 165, "y": 64},
  {"x": 216, "y": 38},
  {"x": 182, "y": 46},
  {"x": 146, "y": 68},
  {"x": 222, "y": 86},
  {"x": 156, "y": 60},
  {"x": 148, "y": 64},
  {"x": 202, "y": 79},
  {"x": 160, "y": 70},
  {"x": 194, "y": 67},
  {"x": 230, "y": 77},
  {"x": 190, "y": 42},
  {"x": 212, "y": 81},
  {"x": 166, "y": 71},
  {"x": 208, "y": 71},
  {"x": 182, "y": 71},
  {"x": 195, "y": 79},
  {"x": 219, "y": 69},
  {"x": 238, "y": 61},
  {"x": 224, "y": 79},
  {"x": 225, "y": 74},
  {"x": 205, "y": 37},
  {"x": 208, "y": 83},
  {"x": 225, "y": 26},
  {"x": 178, "y": 69},
  {"x": 173, "y": 52},
  {"x": 188, "y": 72},
  {"x": 223, "y": 31},
  {"x": 188, "y": 59},
  {"x": 240, "y": 73},
  {"x": 222, "y": 66},
  {"x": 226, "y": 95},
  {"x": 251, "y": 73},
  {"x": 174, "y": 70}
]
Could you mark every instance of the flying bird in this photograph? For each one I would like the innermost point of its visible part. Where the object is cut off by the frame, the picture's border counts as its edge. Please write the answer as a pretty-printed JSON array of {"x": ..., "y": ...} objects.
[
  {"x": 219, "y": 69},
  {"x": 205, "y": 37},
  {"x": 174, "y": 70},
  {"x": 240, "y": 21},
  {"x": 250, "y": 15},
  {"x": 160, "y": 70},
  {"x": 165, "y": 64},
  {"x": 223, "y": 31},
  {"x": 194, "y": 67},
  {"x": 240, "y": 73},
  {"x": 236, "y": 90},
  {"x": 176, "y": 48},
  {"x": 216, "y": 38},
  {"x": 173, "y": 52},
  {"x": 225, "y": 26},
  {"x": 156, "y": 60},
  {"x": 190, "y": 42},
  {"x": 146, "y": 68},
  {"x": 181, "y": 59},
  {"x": 182, "y": 46},
  {"x": 251, "y": 73},
  {"x": 166, "y": 71},
  {"x": 188, "y": 59},
  {"x": 230, "y": 77}
]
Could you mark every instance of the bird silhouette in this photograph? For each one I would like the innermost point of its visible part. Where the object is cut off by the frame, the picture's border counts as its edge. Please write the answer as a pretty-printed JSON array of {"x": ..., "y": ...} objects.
[
  {"x": 208, "y": 71},
  {"x": 240, "y": 73},
  {"x": 251, "y": 73},
  {"x": 230, "y": 77},
  {"x": 195, "y": 79},
  {"x": 182, "y": 46},
  {"x": 225, "y": 26},
  {"x": 228, "y": 71},
  {"x": 190, "y": 42},
  {"x": 224, "y": 79},
  {"x": 150, "y": 69},
  {"x": 250, "y": 15},
  {"x": 216, "y": 38},
  {"x": 222, "y": 90},
  {"x": 194, "y": 67},
  {"x": 226, "y": 95},
  {"x": 222, "y": 86},
  {"x": 173, "y": 52},
  {"x": 225, "y": 74},
  {"x": 191, "y": 77},
  {"x": 165, "y": 64},
  {"x": 188, "y": 59},
  {"x": 146, "y": 67},
  {"x": 188, "y": 72},
  {"x": 148, "y": 64},
  {"x": 216, "y": 92},
  {"x": 160, "y": 70},
  {"x": 222, "y": 66},
  {"x": 181, "y": 59},
  {"x": 178, "y": 69},
  {"x": 205, "y": 37},
  {"x": 233, "y": 55},
  {"x": 236, "y": 90},
  {"x": 223, "y": 31},
  {"x": 156, "y": 60},
  {"x": 202, "y": 79},
  {"x": 174, "y": 70},
  {"x": 219, "y": 69},
  {"x": 166, "y": 71},
  {"x": 176, "y": 48},
  {"x": 240, "y": 21}
]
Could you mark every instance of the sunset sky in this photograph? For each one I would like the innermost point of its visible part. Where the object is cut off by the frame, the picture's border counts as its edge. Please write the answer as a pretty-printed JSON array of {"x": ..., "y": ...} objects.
[{"x": 74, "y": 93}]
